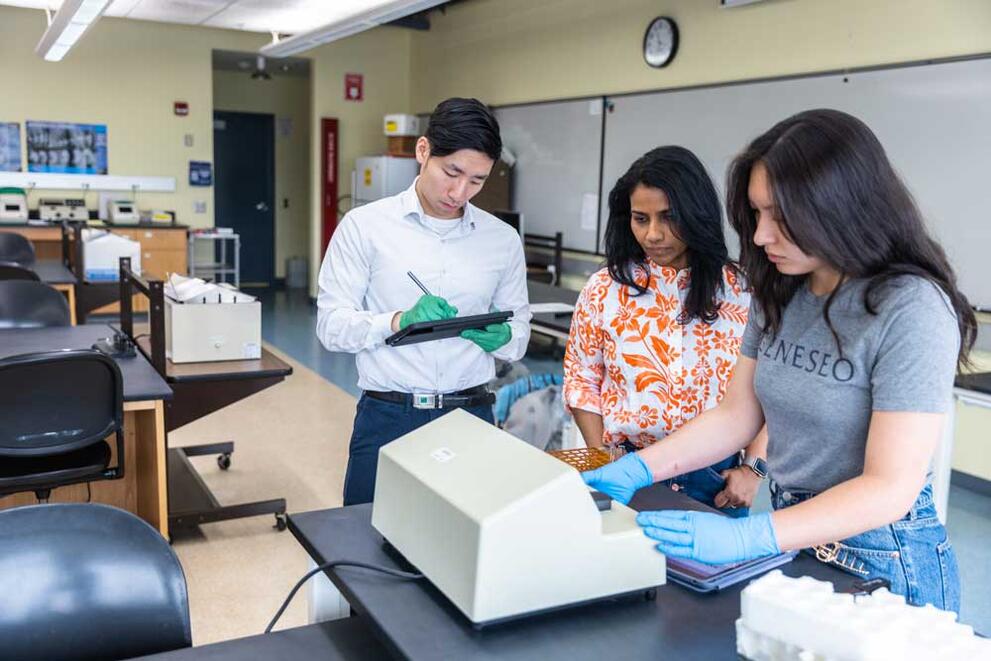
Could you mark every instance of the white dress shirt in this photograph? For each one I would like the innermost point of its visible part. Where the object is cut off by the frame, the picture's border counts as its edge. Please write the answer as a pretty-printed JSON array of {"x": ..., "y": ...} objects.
[{"x": 477, "y": 267}]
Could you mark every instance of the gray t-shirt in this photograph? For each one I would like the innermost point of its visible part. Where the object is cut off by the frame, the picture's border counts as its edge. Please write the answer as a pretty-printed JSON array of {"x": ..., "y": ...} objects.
[{"x": 818, "y": 404}]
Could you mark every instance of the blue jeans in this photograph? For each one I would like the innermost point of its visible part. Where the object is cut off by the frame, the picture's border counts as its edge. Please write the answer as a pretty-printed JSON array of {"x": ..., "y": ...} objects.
[
  {"x": 705, "y": 483},
  {"x": 376, "y": 423},
  {"x": 913, "y": 553}
]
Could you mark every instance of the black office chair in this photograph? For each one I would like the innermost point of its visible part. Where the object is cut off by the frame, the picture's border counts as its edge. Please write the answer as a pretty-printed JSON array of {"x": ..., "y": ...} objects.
[
  {"x": 57, "y": 408},
  {"x": 544, "y": 264},
  {"x": 26, "y": 304},
  {"x": 87, "y": 581},
  {"x": 16, "y": 271},
  {"x": 15, "y": 248}
]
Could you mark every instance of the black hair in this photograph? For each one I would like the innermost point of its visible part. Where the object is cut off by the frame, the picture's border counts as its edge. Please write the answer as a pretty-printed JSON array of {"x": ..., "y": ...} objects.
[
  {"x": 838, "y": 198},
  {"x": 458, "y": 123},
  {"x": 696, "y": 220}
]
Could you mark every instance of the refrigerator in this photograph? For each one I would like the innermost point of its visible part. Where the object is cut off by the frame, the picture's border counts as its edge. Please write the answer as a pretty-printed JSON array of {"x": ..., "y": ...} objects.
[{"x": 375, "y": 177}]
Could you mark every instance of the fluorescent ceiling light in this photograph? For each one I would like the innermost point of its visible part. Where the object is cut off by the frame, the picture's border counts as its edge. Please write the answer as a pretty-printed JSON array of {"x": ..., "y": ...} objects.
[
  {"x": 355, "y": 17},
  {"x": 71, "y": 22}
]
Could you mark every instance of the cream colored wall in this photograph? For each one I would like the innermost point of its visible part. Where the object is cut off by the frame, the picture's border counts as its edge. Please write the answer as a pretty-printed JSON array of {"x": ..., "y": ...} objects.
[
  {"x": 510, "y": 51},
  {"x": 125, "y": 74},
  {"x": 288, "y": 99},
  {"x": 382, "y": 56}
]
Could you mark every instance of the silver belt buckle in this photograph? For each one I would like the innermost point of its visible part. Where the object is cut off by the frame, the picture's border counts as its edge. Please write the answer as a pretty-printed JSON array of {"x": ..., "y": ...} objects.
[{"x": 424, "y": 401}]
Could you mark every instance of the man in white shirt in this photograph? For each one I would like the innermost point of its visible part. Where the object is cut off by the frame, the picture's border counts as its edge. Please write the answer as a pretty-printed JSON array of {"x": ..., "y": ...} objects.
[{"x": 470, "y": 261}]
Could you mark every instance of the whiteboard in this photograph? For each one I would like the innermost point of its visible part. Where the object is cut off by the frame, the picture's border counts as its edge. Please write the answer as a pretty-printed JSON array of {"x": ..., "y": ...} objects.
[
  {"x": 934, "y": 121},
  {"x": 557, "y": 148}
]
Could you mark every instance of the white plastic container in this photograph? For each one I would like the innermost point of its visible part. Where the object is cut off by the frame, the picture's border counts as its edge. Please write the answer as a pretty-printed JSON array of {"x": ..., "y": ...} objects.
[
  {"x": 794, "y": 619},
  {"x": 102, "y": 251},
  {"x": 402, "y": 125},
  {"x": 203, "y": 332}
]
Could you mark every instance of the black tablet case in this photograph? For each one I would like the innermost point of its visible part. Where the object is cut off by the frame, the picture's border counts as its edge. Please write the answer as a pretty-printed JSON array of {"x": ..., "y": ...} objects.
[{"x": 428, "y": 331}]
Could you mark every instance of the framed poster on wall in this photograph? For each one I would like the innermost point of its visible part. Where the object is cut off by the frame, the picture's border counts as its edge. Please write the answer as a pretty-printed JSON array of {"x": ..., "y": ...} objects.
[
  {"x": 10, "y": 147},
  {"x": 66, "y": 147}
]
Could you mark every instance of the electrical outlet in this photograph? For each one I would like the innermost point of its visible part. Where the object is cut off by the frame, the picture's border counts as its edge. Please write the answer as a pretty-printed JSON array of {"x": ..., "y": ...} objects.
[
  {"x": 188, "y": 139},
  {"x": 199, "y": 206}
]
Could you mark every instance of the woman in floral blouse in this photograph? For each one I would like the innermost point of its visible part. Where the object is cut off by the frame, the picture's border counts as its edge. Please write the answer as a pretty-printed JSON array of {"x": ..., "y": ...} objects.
[{"x": 655, "y": 334}]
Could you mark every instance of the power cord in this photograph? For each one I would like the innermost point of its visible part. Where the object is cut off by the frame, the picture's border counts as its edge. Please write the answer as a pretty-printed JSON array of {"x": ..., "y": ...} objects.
[{"x": 337, "y": 563}]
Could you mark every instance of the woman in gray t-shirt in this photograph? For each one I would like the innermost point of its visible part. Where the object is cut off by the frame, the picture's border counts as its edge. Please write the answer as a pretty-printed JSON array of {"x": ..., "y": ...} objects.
[{"x": 855, "y": 334}]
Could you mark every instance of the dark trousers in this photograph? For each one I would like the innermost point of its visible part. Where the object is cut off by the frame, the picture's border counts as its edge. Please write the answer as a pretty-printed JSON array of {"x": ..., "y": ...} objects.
[
  {"x": 704, "y": 483},
  {"x": 376, "y": 423}
]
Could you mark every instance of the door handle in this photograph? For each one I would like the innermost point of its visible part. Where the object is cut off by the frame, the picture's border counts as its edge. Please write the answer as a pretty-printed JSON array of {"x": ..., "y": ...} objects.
[{"x": 261, "y": 206}]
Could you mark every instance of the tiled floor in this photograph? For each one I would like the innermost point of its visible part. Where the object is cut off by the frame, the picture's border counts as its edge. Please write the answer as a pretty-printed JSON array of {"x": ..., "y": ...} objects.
[{"x": 288, "y": 322}]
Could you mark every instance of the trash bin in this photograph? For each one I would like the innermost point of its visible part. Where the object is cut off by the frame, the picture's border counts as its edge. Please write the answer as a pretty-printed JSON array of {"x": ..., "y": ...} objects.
[{"x": 297, "y": 272}]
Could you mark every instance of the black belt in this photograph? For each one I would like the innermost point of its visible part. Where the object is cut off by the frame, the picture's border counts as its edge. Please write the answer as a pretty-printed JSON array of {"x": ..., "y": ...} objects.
[{"x": 471, "y": 397}]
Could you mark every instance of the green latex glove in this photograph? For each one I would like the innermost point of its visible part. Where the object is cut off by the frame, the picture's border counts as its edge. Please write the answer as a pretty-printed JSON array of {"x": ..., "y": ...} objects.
[
  {"x": 428, "y": 308},
  {"x": 490, "y": 339}
]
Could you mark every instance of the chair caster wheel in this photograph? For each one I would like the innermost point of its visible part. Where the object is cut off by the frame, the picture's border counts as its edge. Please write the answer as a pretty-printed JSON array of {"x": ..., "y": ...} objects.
[
  {"x": 224, "y": 461},
  {"x": 280, "y": 522}
]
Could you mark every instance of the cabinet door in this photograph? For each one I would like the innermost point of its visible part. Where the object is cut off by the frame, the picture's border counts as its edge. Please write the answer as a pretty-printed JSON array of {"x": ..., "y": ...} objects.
[
  {"x": 157, "y": 265},
  {"x": 155, "y": 238}
]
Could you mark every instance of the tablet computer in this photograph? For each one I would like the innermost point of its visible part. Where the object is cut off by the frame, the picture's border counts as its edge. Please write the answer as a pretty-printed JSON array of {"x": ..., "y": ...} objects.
[
  {"x": 428, "y": 331},
  {"x": 699, "y": 576}
]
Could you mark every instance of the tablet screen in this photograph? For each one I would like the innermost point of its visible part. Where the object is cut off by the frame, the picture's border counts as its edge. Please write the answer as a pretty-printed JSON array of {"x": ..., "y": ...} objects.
[{"x": 698, "y": 570}]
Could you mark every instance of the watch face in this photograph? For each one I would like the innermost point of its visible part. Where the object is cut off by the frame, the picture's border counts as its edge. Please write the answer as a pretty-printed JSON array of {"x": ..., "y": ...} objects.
[
  {"x": 760, "y": 467},
  {"x": 660, "y": 42}
]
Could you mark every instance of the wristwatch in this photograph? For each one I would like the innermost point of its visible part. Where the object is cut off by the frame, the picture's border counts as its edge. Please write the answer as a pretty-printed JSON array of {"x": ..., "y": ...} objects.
[{"x": 757, "y": 465}]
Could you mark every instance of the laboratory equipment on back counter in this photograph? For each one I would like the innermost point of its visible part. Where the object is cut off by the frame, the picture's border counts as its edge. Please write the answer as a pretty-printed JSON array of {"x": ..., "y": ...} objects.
[
  {"x": 13, "y": 205},
  {"x": 122, "y": 212},
  {"x": 56, "y": 209},
  {"x": 157, "y": 216},
  {"x": 503, "y": 529}
]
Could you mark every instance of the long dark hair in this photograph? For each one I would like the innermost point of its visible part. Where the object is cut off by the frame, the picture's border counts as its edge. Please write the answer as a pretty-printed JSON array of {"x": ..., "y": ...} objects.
[
  {"x": 839, "y": 199},
  {"x": 696, "y": 220}
]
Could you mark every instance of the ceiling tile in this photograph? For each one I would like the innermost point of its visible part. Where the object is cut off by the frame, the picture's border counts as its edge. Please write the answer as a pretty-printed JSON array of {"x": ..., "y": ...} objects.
[
  {"x": 285, "y": 16},
  {"x": 33, "y": 4},
  {"x": 191, "y": 12},
  {"x": 289, "y": 17},
  {"x": 121, "y": 8}
]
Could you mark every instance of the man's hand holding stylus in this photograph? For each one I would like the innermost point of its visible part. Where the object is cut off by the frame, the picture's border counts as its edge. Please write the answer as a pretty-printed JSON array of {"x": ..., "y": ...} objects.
[{"x": 428, "y": 308}]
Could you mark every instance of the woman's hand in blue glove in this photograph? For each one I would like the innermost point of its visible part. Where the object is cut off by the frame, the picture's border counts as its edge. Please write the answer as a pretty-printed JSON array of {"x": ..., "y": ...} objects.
[
  {"x": 710, "y": 538},
  {"x": 620, "y": 479}
]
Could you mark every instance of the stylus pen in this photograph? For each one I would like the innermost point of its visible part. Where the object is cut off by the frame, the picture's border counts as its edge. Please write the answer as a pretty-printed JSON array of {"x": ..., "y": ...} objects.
[{"x": 418, "y": 283}]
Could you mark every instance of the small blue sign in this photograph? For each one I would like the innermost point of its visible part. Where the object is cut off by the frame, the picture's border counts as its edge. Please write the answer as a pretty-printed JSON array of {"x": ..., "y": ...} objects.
[{"x": 200, "y": 173}]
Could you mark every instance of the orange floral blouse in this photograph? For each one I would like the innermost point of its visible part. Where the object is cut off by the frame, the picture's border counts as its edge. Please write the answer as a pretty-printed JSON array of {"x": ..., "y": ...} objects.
[{"x": 629, "y": 360}]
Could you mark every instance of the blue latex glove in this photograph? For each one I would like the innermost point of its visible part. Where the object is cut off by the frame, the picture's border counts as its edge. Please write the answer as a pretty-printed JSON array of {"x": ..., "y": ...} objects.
[
  {"x": 620, "y": 479},
  {"x": 710, "y": 538}
]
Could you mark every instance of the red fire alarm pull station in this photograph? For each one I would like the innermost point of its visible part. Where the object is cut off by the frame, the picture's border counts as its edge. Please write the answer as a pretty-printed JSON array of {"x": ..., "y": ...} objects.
[
  {"x": 353, "y": 86},
  {"x": 181, "y": 108}
]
